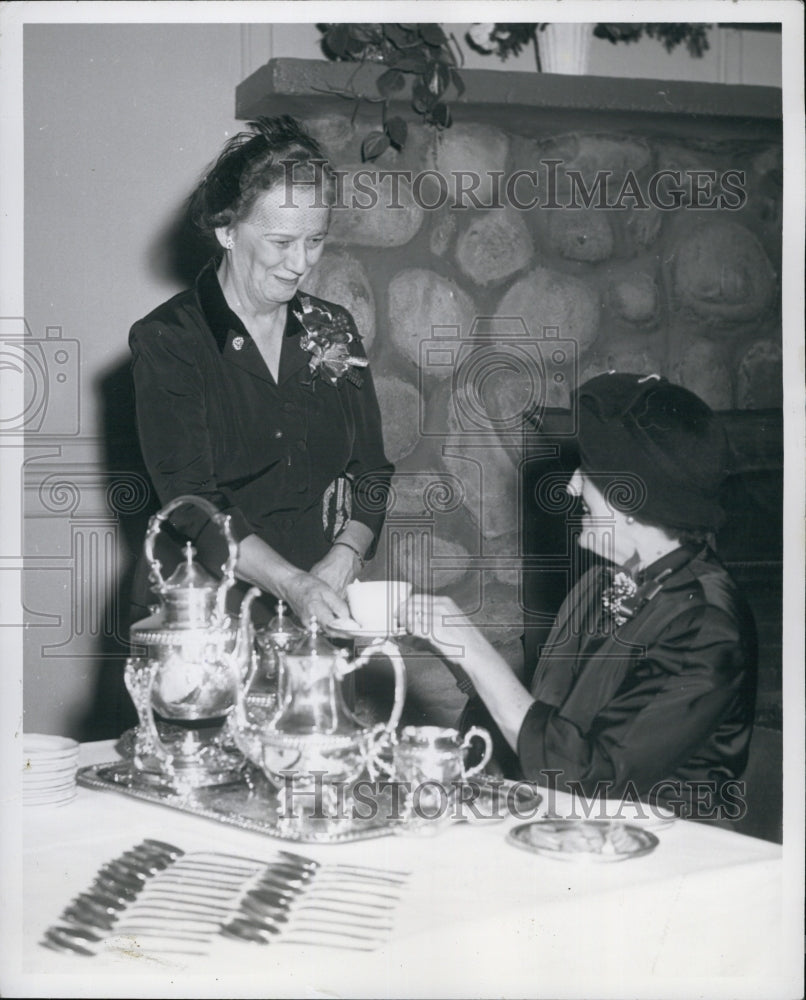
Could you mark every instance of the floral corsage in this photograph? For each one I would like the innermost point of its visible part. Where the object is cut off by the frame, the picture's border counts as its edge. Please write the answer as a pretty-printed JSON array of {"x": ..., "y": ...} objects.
[
  {"x": 326, "y": 339},
  {"x": 617, "y": 599}
]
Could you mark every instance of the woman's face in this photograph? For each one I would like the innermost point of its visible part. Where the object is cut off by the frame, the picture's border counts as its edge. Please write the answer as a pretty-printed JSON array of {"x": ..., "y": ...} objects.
[
  {"x": 274, "y": 248},
  {"x": 600, "y": 522}
]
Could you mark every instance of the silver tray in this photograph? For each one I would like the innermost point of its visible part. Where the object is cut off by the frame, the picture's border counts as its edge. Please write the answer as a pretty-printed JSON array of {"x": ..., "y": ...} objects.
[
  {"x": 253, "y": 804},
  {"x": 565, "y": 840}
]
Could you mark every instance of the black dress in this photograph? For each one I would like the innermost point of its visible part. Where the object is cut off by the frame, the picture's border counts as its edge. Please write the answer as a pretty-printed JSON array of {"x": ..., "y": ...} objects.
[
  {"x": 657, "y": 708},
  {"x": 214, "y": 423},
  {"x": 663, "y": 702}
]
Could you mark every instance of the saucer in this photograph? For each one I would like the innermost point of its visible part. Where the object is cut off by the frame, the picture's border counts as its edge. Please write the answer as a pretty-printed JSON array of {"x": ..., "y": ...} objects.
[
  {"x": 43, "y": 745},
  {"x": 350, "y": 629},
  {"x": 599, "y": 841}
]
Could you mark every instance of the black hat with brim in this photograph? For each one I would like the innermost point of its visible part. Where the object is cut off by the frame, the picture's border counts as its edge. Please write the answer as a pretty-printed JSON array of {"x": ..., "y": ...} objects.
[{"x": 654, "y": 449}]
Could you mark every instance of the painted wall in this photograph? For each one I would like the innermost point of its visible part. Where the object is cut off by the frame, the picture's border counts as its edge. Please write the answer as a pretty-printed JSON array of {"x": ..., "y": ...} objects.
[{"x": 119, "y": 121}]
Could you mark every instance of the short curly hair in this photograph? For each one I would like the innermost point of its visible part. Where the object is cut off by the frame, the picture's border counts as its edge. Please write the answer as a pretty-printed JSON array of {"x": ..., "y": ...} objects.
[{"x": 274, "y": 151}]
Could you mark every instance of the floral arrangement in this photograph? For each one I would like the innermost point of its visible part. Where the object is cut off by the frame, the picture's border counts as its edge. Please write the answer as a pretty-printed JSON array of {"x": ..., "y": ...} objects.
[
  {"x": 617, "y": 597},
  {"x": 326, "y": 339}
]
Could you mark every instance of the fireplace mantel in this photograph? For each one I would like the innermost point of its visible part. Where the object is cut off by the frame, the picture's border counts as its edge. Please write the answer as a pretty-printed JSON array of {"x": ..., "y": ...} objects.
[{"x": 311, "y": 86}]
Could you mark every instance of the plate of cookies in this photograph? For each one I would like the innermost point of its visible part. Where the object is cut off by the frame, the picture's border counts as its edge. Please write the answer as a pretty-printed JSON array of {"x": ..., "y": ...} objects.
[{"x": 582, "y": 840}]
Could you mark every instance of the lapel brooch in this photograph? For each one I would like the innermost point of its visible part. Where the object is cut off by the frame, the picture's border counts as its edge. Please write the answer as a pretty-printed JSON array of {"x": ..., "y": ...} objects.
[
  {"x": 617, "y": 598},
  {"x": 624, "y": 598},
  {"x": 326, "y": 339}
]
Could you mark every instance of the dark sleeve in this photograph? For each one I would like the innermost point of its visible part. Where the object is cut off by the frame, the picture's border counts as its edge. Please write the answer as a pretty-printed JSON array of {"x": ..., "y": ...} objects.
[
  {"x": 370, "y": 469},
  {"x": 174, "y": 434},
  {"x": 670, "y": 703}
]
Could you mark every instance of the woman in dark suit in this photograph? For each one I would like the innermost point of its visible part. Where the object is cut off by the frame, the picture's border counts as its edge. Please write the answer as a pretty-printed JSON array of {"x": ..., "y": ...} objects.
[
  {"x": 646, "y": 685},
  {"x": 256, "y": 396}
]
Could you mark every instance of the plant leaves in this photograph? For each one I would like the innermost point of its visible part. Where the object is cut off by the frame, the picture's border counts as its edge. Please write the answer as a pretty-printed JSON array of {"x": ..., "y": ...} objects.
[
  {"x": 398, "y": 34},
  {"x": 355, "y": 46},
  {"x": 337, "y": 39},
  {"x": 433, "y": 34},
  {"x": 411, "y": 62},
  {"x": 390, "y": 82},
  {"x": 397, "y": 130},
  {"x": 373, "y": 145}
]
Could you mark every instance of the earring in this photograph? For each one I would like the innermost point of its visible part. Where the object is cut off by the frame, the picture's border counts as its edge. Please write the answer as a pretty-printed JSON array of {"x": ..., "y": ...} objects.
[
  {"x": 630, "y": 519},
  {"x": 230, "y": 243}
]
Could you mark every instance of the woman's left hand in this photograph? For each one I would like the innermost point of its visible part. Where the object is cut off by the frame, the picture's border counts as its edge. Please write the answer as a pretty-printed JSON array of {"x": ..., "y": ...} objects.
[{"x": 338, "y": 568}]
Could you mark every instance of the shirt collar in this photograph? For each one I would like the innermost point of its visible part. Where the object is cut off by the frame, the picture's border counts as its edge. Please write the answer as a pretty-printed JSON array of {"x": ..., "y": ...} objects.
[
  {"x": 222, "y": 321},
  {"x": 665, "y": 566}
]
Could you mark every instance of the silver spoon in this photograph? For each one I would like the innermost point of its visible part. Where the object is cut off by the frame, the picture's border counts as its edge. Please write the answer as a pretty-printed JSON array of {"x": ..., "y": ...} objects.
[
  {"x": 259, "y": 902},
  {"x": 88, "y": 916},
  {"x": 110, "y": 884},
  {"x": 70, "y": 939},
  {"x": 265, "y": 932},
  {"x": 124, "y": 875},
  {"x": 110, "y": 903},
  {"x": 296, "y": 875},
  {"x": 332, "y": 893},
  {"x": 270, "y": 899},
  {"x": 149, "y": 863},
  {"x": 279, "y": 920},
  {"x": 382, "y": 874}
]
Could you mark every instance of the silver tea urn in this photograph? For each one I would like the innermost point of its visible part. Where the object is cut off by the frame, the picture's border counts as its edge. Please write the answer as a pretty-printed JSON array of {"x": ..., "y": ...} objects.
[{"x": 195, "y": 659}]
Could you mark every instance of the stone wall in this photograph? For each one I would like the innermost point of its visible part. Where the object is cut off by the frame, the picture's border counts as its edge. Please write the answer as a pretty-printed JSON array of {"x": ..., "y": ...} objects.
[{"x": 477, "y": 310}]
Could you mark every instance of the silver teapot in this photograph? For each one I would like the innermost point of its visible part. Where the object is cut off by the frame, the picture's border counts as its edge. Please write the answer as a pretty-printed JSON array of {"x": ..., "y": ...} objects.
[
  {"x": 196, "y": 657},
  {"x": 313, "y": 743}
]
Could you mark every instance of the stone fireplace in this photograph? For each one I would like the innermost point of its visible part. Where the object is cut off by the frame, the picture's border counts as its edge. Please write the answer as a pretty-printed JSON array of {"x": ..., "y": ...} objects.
[{"x": 561, "y": 227}]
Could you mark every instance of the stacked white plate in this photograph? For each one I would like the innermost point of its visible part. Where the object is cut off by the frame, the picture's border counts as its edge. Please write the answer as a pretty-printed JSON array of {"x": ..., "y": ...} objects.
[{"x": 49, "y": 769}]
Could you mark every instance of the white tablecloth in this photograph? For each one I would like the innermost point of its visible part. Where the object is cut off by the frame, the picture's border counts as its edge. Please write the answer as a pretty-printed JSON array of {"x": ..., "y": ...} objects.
[{"x": 701, "y": 915}]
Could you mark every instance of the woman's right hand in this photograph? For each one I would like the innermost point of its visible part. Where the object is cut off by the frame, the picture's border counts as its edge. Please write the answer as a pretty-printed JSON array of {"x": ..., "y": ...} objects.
[
  {"x": 442, "y": 623},
  {"x": 305, "y": 594},
  {"x": 310, "y": 597}
]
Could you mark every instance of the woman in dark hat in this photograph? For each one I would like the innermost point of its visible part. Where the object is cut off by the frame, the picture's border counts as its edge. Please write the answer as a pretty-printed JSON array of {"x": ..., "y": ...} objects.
[
  {"x": 646, "y": 684},
  {"x": 256, "y": 396}
]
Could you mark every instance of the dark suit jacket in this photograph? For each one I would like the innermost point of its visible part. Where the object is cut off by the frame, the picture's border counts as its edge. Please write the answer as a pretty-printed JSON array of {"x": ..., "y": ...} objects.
[
  {"x": 212, "y": 422},
  {"x": 667, "y": 696}
]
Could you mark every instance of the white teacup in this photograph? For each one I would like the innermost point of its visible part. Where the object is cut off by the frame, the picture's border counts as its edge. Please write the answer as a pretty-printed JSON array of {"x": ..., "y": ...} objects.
[{"x": 374, "y": 604}]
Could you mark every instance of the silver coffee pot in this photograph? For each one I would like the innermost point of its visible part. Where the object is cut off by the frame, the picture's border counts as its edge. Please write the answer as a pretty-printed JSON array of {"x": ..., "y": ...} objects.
[{"x": 313, "y": 742}]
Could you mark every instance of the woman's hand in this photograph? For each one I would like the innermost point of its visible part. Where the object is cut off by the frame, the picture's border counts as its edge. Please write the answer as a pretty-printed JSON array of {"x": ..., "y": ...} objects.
[
  {"x": 441, "y": 622},
  {"x": 309, "y": 596},
  {"x": 306, "y": 594},
  {"x": 338, "y": 568}
]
